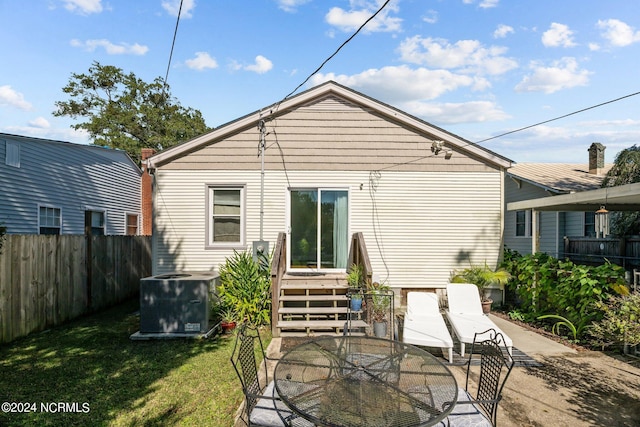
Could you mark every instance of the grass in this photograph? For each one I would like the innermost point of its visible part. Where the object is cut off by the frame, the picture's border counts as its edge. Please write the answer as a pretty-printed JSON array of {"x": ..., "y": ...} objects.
[{"x": 93, "y": 363}]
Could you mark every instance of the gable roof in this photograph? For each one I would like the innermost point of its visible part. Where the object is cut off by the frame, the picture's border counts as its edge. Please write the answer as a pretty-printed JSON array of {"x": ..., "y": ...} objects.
[
  {"x": 75, "y": 154},
  {"x": 560, "y": 178},
  {"x": 329, "y": 88}
]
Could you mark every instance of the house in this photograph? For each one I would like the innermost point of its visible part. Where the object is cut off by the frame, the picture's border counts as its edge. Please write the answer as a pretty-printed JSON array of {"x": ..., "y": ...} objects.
[
  {"x": 335, "y": 162},
  {"x": 529, "y": 230},
  {"x": 56, "y": 187}
]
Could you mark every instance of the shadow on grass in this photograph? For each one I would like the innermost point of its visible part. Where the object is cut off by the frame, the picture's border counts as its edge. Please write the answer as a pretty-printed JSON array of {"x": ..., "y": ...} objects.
[
  {"x": 92, "y": 361},
  {"x": 596, "y": 399}
]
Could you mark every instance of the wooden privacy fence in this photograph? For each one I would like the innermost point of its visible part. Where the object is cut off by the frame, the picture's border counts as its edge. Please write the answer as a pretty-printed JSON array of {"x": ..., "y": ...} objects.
[
  {"x": 589, "y": 250},
  {"x": 46, "y": 280}
]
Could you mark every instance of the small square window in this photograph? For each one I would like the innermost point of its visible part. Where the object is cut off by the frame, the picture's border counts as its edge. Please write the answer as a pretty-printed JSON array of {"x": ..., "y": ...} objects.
[{"x": 49, "y": 220}]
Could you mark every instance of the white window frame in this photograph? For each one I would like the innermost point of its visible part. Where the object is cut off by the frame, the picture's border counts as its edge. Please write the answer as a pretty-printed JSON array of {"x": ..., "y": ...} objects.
[
  {"x": 210, "y": 189},
  {"x": 55, "y": 208},
  {"x": 527, "y": 223}
]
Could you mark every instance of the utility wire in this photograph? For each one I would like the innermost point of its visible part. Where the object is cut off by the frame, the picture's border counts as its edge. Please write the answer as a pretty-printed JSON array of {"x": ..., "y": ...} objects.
[
  {"x": 558, "y": 118},
  {"x": 337, "y": 50},
  {"x": 173, "y": 42}
]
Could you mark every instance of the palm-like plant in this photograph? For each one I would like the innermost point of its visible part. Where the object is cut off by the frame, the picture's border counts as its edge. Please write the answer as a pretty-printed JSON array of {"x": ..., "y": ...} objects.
[{"x": 482, "y": 276}]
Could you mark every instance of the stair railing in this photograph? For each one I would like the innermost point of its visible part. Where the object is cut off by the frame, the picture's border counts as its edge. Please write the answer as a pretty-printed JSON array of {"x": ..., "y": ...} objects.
[
  {"x": 358, "y": 255},
  {"x": 278, "y": 268}
]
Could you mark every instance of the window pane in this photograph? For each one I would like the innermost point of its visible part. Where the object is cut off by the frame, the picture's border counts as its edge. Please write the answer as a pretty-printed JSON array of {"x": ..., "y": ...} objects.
[
  {"x": 226, "y": 202},
  {"x": 226, "y": 229},
  {"x": 521, "y": 219},
  {"x": 132, "y": 225},
  {"x": 97, "y": 219}
]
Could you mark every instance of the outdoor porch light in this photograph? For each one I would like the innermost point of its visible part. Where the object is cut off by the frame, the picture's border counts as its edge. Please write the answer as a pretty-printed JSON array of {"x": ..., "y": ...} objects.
[
  {"x": 602, "y": 222},
  {"x": 436, "y": 147}
]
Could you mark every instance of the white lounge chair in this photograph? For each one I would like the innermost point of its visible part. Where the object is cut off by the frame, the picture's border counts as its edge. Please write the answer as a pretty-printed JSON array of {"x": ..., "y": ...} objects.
[
  {"x": 423, "y": 323},
  {"x": 466, "y": 317}
]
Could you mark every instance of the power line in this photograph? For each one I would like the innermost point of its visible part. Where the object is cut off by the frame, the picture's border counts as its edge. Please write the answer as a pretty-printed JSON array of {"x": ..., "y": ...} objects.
[
  {"x": 337, "y": 50},
  {"x": 173, "y": 42},
  {"x": 558, "y": 118}
]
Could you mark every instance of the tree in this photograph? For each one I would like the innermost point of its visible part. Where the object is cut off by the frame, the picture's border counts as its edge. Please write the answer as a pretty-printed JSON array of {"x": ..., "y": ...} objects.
[
  {"x": 126, "y": 113},
  {"x": 625, "y": 170}
]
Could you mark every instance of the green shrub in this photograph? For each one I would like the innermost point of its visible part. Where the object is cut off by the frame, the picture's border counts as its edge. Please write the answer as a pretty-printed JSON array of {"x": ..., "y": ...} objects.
[
  {"x": 620, "y": 323},
  {"x": 245, "y": 287},
  {"x": 546, "y": 285}
]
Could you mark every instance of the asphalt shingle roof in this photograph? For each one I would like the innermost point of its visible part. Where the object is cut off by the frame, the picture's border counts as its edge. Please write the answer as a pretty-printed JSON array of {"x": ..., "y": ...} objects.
[{"x": 559, "y": 177}]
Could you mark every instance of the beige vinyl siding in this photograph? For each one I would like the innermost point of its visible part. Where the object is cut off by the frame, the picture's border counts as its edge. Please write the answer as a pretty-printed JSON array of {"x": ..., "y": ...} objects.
[
  {"x": 418, "y": 225},
  {"x": 314, "y": 137}
]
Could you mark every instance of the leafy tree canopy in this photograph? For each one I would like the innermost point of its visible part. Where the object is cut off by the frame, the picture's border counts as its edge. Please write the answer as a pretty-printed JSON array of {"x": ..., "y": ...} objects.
[
  {"x": 625, "y": 170},
  {"x": 126, "y": 113}
]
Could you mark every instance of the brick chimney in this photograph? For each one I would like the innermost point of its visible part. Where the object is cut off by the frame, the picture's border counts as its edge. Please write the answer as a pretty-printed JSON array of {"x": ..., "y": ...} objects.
[
  {"x": 596, "y": 158},
  {"x": 147, "y": 193}
]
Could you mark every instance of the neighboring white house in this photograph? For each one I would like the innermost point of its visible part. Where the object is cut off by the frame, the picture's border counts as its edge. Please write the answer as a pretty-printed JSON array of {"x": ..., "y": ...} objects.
[
  {"x": 528, "y": 181},
  {"x": 55, "y": 187},
  {"x": 336, "y": 162}
]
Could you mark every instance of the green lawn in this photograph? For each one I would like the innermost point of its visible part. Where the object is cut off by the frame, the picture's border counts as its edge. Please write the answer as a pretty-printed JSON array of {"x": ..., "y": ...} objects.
[{"x": 93, "y": 367}]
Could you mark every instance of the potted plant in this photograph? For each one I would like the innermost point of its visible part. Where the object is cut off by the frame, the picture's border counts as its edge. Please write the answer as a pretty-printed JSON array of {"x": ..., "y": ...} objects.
[
  {"x": 228, "y": 319},
  {"x": 355, "y": 280},
  {"x": 380, "y": 302},
  {"x": 484, "y": 278}
]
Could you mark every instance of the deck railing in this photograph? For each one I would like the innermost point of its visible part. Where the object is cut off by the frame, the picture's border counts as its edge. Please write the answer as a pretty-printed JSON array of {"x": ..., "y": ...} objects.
[
  {"x": 278, "y": 268},
  {"x": 358, "y": 255}
]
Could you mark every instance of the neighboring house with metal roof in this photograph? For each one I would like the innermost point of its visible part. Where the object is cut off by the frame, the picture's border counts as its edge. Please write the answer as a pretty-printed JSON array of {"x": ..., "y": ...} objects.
[
  {"x": 56, "y": 187},
  {"x": 337, "y": 162},
  {"x": 529, "y": 230}
]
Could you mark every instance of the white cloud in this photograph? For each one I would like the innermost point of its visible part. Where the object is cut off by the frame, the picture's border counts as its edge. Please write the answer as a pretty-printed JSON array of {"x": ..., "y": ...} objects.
[
  {"x": 261, "y": 66},
  {"x": 360, "y": 11},
  {"x": 452, "y": 113},
  {"x": 594, "y": 47},
  {"x": 618, "y": 33},
  {"x": 403, "y": 84},
  {"x": 83, "y": 7},
  {"x": 173, "y": 6},
  {"x": 502, "y": 31},
  {"x": 40, "y": 122},
  {"x": 431, "y": 17},
  {"x": 485, "y": 4},
  {"x": 111, "y": 48},
  {"x": 561, "y": 74},
  {"x": 291, "y": 5},
  {"x": 558, "y": 35},
  {"x": 467, "y": 56},
  {"x": 201, "y": 62},
  {"x": 10, "y": 97}
]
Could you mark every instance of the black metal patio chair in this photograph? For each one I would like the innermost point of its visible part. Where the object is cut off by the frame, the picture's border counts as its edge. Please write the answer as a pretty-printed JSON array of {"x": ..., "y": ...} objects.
[
  {"x": 481, "y": 408},
  {"x": 263, "y": 407}
]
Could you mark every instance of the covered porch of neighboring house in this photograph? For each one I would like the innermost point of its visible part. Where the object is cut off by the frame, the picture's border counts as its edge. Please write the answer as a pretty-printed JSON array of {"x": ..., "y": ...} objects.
[
  {"x": 317, "y": 303},
  {"x": 610, "y": 199}
]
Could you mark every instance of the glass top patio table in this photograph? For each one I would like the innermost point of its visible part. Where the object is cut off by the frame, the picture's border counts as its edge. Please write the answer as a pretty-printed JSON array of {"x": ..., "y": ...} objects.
[{"x": 365, "y": 381}]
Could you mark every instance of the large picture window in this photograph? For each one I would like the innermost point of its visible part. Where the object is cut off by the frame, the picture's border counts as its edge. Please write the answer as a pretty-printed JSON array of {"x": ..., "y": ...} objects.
[
  {"x": 49, "y": 220},
  {"x": 226, "y": 215}
]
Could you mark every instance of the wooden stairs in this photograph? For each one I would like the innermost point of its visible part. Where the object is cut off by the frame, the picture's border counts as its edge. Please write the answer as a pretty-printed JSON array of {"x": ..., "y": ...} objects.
[{"x": 314, "y": 304}]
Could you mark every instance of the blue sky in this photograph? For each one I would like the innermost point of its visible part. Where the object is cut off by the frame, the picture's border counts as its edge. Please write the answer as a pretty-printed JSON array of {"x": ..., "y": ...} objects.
[{"x": 477, "y": 68}]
